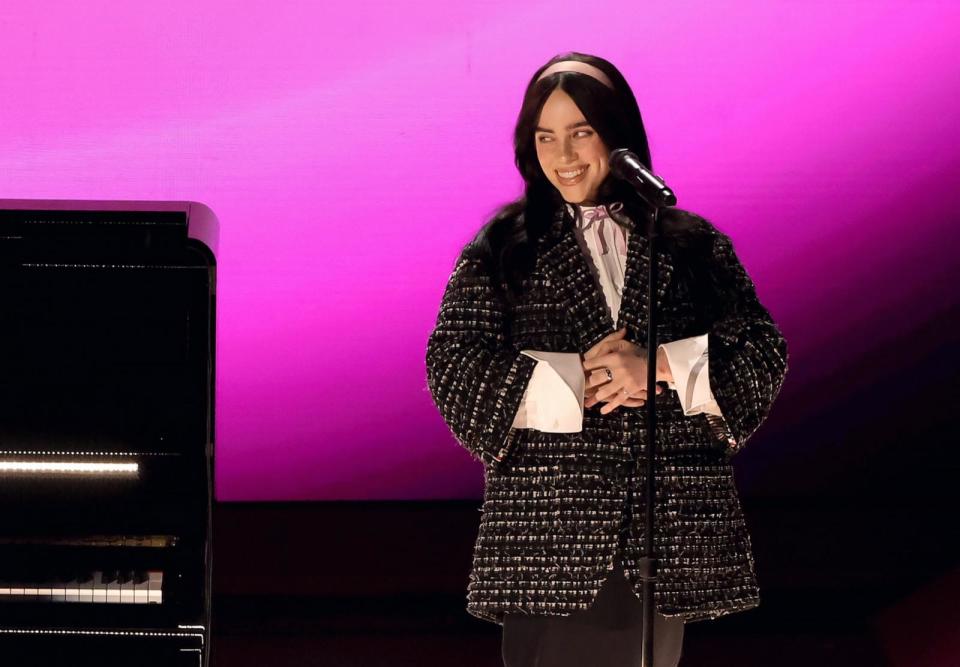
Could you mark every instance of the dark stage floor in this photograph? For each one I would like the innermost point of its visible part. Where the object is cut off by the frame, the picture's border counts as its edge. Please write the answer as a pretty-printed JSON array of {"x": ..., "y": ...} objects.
[
  {"x": 483, "y": 651},
  {"x": 384, "y": 584}
]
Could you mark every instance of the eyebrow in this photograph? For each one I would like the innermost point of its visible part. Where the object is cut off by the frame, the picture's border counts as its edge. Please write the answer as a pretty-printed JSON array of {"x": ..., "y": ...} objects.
[{"x": 569, "y": 127}]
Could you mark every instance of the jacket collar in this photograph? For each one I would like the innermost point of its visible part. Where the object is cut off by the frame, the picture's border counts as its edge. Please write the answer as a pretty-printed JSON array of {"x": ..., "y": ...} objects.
[{"x": 582, "y": 296}]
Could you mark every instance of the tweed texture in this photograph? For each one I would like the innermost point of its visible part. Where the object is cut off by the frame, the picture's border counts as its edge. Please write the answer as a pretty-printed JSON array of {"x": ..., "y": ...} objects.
[{"x": 554, "y": 503}]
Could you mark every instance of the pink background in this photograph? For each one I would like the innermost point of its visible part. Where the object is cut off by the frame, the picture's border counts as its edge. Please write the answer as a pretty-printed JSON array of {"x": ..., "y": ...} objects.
[{"x": 351, "y": 149}]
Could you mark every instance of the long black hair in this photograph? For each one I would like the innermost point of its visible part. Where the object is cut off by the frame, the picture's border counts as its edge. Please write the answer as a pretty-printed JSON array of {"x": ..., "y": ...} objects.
[{"x": 507, "y": 241}]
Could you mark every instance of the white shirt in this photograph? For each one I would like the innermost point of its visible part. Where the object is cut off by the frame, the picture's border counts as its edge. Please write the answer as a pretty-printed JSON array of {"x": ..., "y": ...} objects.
[{"x": 553, "y": 400}]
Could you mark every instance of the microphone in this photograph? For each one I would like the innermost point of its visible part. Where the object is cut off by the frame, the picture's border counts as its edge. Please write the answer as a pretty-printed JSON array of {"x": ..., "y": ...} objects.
[{"x": 625, "y": 164}]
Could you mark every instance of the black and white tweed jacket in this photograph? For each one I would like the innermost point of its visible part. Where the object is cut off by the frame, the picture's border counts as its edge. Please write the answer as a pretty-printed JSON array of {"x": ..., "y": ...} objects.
[{"x": 554, "y": 502}]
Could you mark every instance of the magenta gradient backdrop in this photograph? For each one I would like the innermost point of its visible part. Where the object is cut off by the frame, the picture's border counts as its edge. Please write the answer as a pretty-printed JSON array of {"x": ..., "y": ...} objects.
[{"x": 350, "y": 149}]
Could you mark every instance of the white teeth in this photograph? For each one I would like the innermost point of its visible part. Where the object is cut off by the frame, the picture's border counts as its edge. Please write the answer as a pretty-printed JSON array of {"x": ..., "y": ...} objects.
[{"x": 571, "y": 174}]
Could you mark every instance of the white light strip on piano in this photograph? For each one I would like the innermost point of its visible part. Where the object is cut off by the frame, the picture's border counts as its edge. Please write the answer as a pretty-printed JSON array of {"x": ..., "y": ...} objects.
[
  {"x": 98, "y": 633},
  {"x": 69, "y": 467}
]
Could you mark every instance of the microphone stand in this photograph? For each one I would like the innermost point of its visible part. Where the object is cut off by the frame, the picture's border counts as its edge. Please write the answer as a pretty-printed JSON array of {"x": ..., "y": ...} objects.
[
  {"x": 649, "y": 562},
  {"x": 657, "y": 195}
]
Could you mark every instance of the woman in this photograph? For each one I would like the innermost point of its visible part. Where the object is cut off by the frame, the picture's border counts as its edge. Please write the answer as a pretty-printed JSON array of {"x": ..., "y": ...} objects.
[{"x": 537, "y": 364}]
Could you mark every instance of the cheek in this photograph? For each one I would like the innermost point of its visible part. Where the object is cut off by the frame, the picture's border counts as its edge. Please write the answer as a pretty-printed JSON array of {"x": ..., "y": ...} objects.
[
  {"x": 544, "y": 161},
  {"x": 603, "y": 170},
  {"x": 601, "y": 153},
  {"x": 601, "y": 156}
]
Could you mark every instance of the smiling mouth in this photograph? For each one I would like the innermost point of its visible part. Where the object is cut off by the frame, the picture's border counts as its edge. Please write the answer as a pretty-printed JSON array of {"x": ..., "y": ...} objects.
[{"x": 572, "y": 176}]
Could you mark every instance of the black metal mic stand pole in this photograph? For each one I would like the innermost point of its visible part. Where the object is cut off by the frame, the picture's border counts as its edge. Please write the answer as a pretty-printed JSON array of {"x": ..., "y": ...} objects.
[
  {"x": 649, "y": 561},
  {"x": 654, "y": 191}
]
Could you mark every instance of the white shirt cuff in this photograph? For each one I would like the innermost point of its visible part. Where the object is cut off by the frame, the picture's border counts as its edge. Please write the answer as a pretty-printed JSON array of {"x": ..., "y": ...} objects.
[
  {"x": 553, "y": 400},
  {"x": 688, "y": 359}
]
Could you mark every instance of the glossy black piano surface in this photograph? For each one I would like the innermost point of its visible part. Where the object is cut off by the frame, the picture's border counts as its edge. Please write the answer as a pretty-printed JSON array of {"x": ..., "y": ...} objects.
[{"x": 106, "y": 432}]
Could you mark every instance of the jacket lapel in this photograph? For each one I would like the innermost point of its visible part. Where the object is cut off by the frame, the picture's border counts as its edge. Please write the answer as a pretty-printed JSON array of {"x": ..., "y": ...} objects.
[
  {"x": 567, "y": 265},
  {"x": 634, "y": 309}
]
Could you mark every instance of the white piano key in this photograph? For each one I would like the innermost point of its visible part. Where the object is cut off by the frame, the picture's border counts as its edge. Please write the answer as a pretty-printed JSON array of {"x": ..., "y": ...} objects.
[
  {"x": 126, "y": 591},
  {"x": 86, "y": 590},
  {"x": 155, "y": 588},
  {"x": 99, "y": 589},
  {"x": 113, "y": 592}
]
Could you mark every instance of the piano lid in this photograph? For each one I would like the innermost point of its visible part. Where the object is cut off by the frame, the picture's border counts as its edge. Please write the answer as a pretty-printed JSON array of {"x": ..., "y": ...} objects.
[{"x": 170, "y": 219}]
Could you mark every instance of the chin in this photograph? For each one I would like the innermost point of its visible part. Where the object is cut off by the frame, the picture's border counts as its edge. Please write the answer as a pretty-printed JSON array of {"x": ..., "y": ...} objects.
[{"x": 575, "y": 197}]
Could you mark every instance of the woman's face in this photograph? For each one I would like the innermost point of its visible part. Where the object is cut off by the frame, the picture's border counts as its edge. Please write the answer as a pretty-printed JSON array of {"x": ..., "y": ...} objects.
[{"x": 571, "y": 153}]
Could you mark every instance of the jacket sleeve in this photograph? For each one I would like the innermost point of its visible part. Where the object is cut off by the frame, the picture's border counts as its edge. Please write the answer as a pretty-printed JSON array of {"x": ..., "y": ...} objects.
[
  {"x": 474, "y": 374},
  {"x": 747, "y": 352}
]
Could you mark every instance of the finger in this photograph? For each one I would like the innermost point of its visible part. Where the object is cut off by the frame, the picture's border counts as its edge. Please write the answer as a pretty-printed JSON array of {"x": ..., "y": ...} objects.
[
  {"x": 610, "y": 360},
  {"x": 589, "y": 397},
  {"x": 629, "y": 403},
  {"x": 597, "y": 378},
  {"x": 642, "y": 393},
  {"x": 614, "y": 403},
  {"x": 632, "y": 402},
  {"x": 636, "y": 400},
  {"x": 608, "y": 347},
  {"x": 619, "y": 333},
  {"x": 608, "y": 393}
]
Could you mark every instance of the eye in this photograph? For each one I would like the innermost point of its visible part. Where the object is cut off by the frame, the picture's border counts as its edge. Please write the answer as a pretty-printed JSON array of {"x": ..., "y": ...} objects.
[
  {"x": 584, "y": 133},
  {"x": 544, "y": 138}
]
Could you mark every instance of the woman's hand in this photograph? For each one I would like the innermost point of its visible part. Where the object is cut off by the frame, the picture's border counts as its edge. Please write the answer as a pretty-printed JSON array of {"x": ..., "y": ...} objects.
[{"x": 628, "y": 364}]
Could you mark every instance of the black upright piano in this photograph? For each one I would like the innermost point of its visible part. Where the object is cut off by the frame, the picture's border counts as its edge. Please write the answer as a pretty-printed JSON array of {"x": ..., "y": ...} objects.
[{"x": 106, "y": 432}]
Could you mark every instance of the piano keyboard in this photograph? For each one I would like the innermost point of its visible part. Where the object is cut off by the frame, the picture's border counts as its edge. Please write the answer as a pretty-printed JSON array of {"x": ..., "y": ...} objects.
[{"x": 100, "y": 587}]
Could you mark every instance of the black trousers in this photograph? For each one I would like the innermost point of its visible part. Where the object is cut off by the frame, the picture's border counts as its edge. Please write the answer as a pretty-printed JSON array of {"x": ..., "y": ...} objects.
[{"x": 608, "y": 634}]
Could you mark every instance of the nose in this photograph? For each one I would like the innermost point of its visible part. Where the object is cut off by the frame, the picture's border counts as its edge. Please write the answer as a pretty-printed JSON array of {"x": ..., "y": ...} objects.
[{"x": 568, "y": 154}]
